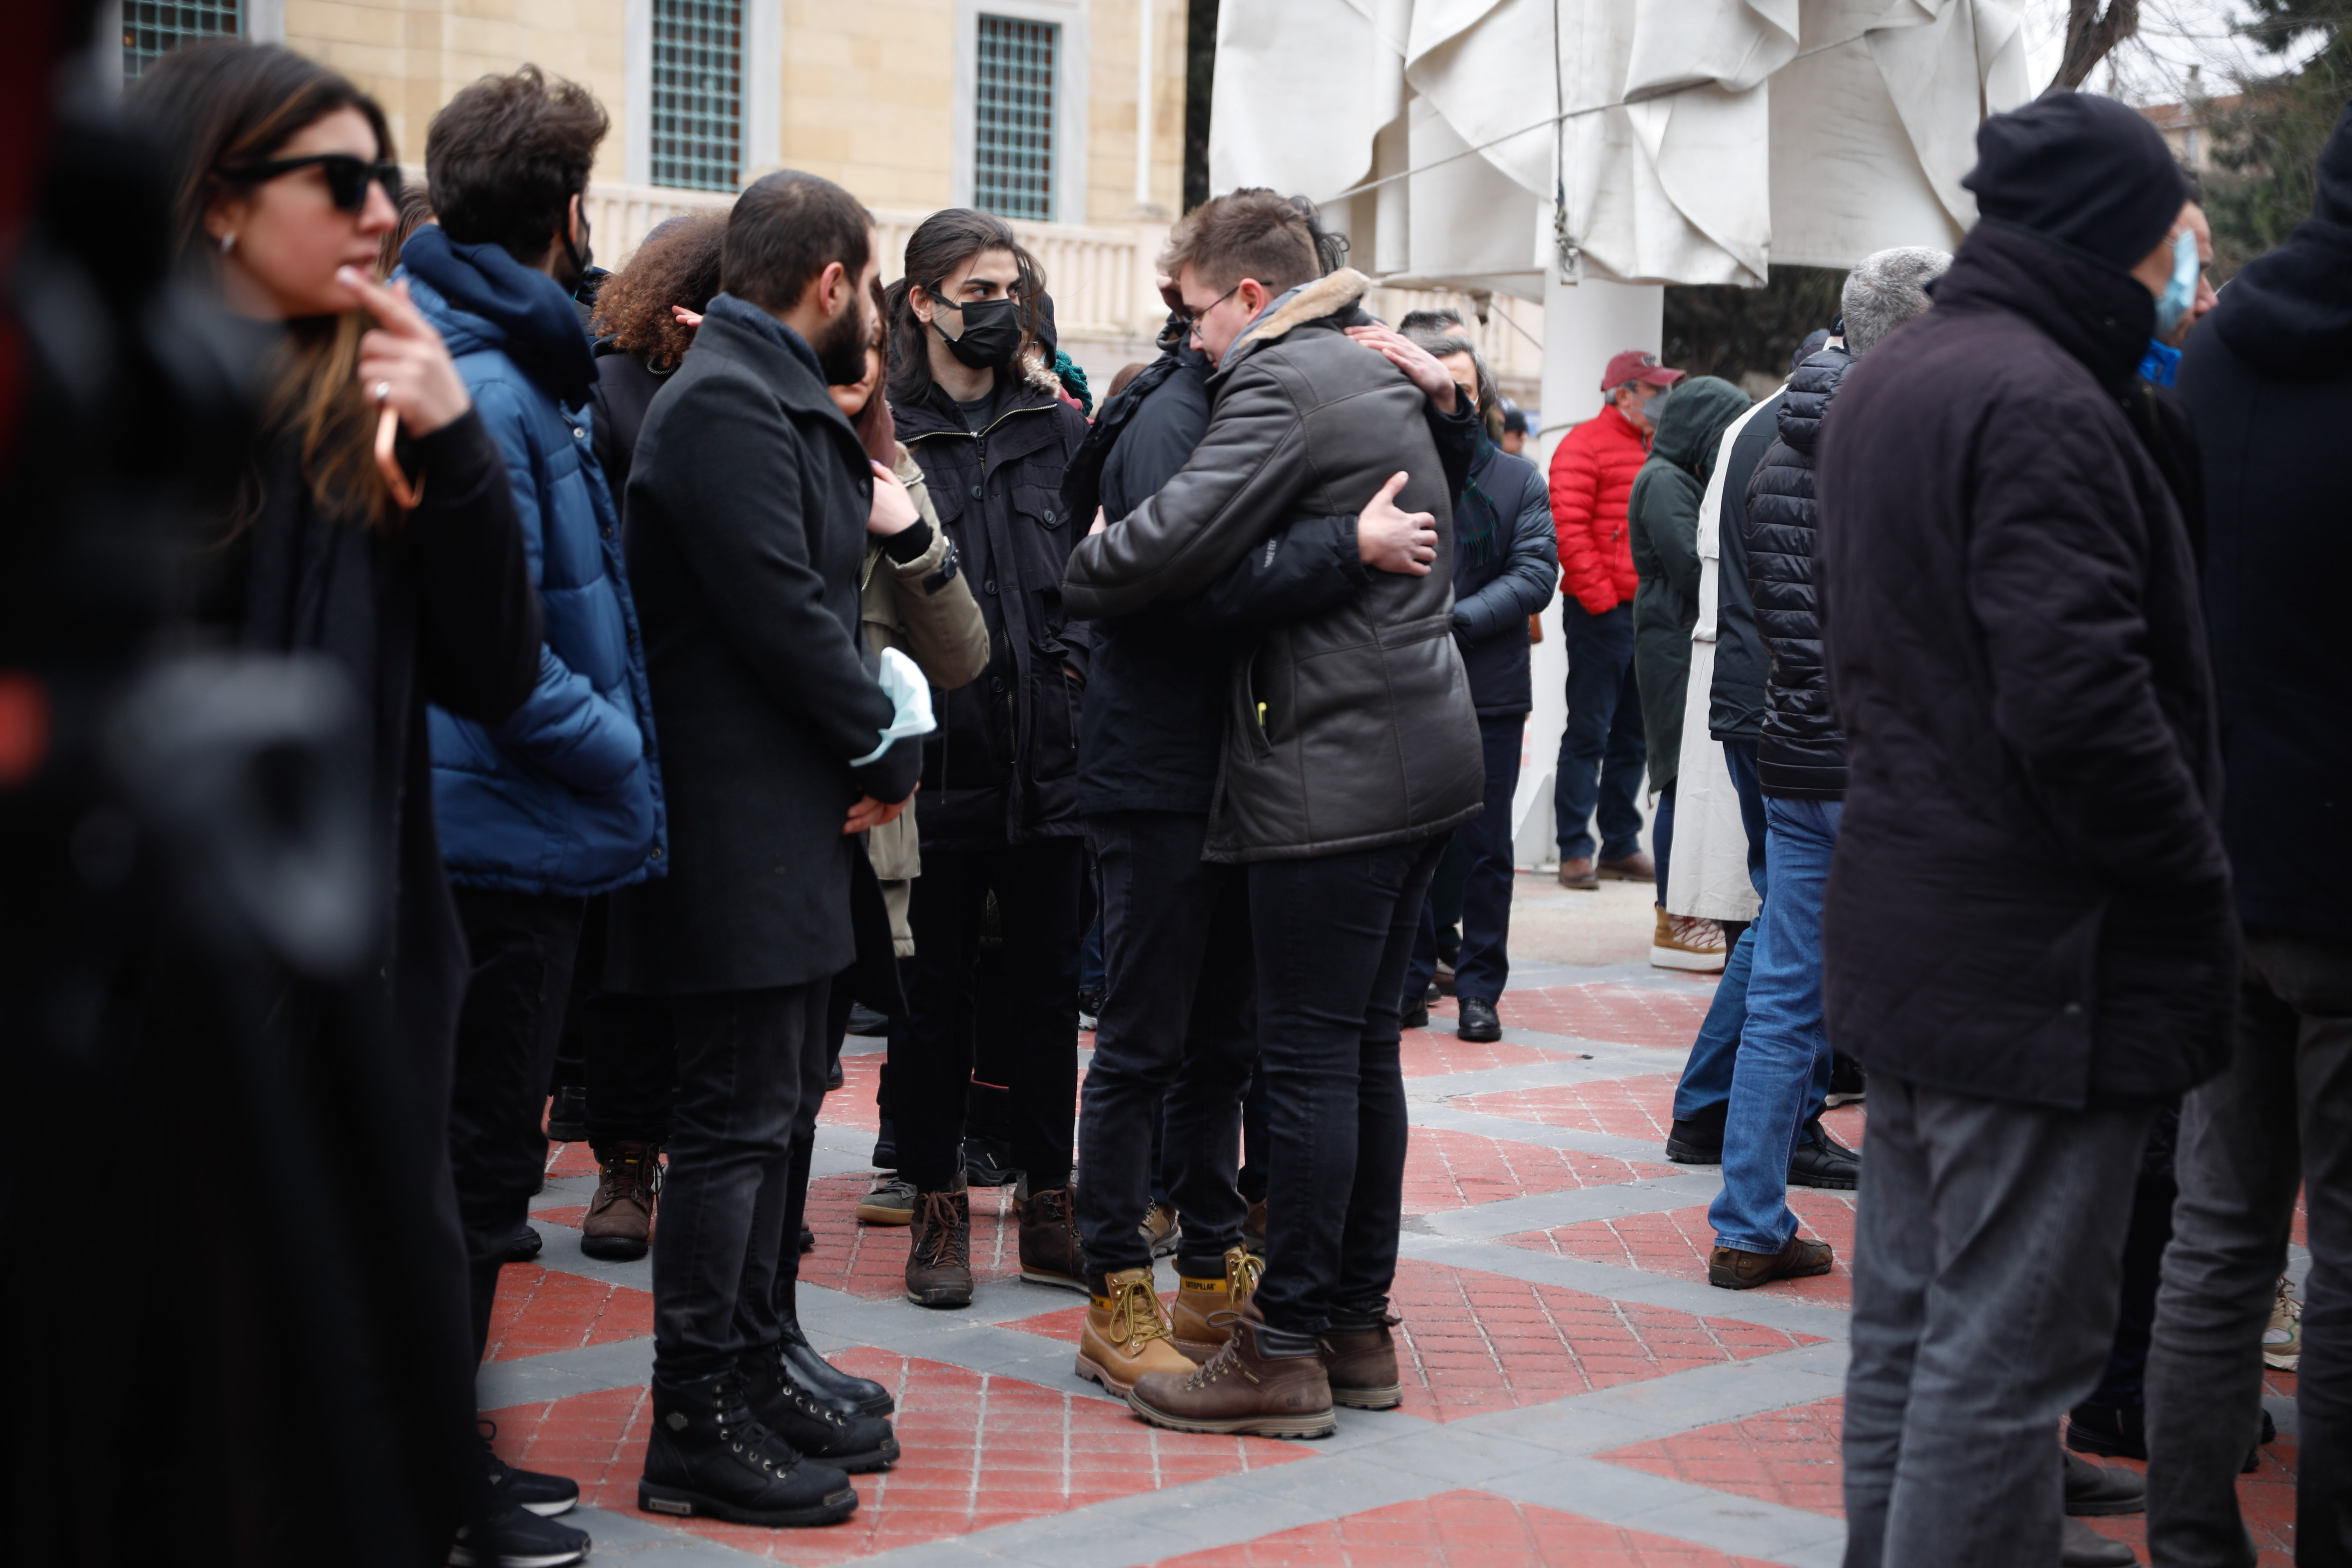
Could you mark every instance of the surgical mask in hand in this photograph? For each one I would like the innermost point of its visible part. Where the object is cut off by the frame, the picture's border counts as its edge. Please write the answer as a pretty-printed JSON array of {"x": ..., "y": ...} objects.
[
  {"x": 910, "y": 702},
  {"x": 2181, "y": 291},
  {"x": 992, "y": 333}
]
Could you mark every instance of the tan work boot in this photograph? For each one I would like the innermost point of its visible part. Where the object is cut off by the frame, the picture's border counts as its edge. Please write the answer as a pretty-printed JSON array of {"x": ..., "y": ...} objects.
[
  {"x": 1730, "y": 1269},
  {"x": 1200, "y": 1300},
  {"x": 1245, "y": 1389},
  {"x": 1051, "y": 1252},
  {"x": 620, "y": 1223},
  {"x": 938, "y": 1258},
  {"x": 1359, "y": 1360},
  {"x": 1127, "y": 1334},
  {"x": 1690, "y": 942}
]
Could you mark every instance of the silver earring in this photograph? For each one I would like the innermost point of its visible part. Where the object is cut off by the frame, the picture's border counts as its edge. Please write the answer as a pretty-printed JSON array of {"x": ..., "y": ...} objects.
[{"x": 228, "y": 242}]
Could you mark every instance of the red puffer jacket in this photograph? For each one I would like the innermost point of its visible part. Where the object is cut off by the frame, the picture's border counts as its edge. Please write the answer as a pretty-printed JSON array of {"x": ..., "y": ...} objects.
[{"x": 1591, "y": 482}]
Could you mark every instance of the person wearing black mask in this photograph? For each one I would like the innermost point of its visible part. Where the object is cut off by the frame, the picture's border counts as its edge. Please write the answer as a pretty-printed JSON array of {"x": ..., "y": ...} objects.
[
  {"x": 2009, "y": 614},
  {"x": 981, "y": 412}
]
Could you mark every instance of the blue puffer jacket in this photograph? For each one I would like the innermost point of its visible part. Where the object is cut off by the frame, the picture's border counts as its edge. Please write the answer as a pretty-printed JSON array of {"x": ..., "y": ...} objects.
[{"x": 564, "y": 796}]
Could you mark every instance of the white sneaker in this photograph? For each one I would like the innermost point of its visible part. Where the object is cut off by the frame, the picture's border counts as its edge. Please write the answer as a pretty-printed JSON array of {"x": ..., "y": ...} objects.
[{"x": 1689, "y": 943}]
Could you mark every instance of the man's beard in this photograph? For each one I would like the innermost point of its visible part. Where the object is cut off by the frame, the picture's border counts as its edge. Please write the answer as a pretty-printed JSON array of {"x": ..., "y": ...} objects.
[{"x": 841, "y": 346}]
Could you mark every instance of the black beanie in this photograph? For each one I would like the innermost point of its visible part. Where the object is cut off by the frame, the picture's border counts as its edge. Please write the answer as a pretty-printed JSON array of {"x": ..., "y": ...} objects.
[{"x": 2083, "y": 170}]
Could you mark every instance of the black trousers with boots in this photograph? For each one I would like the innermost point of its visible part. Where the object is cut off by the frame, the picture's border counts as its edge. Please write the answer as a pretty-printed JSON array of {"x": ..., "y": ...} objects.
[
  {"x": 523, "y": 947},
  {"x": 1178, "y": 1030}
]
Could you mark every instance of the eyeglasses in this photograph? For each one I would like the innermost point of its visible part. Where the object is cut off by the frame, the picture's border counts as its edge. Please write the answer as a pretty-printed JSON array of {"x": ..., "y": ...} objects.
[
  {"x": 1188, "y": 319},
  {"x": 347, "y": 176}
]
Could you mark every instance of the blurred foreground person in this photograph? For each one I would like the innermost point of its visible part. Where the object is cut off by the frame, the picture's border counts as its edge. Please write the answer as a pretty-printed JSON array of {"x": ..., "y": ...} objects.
[
  {"x": 285, "y": 191},
  {"x": 2009, "y": 612},
  {"x": 2269, "y": 379}
]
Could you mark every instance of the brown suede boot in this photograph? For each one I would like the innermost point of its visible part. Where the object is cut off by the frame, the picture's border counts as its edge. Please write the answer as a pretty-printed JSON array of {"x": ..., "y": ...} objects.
[
  {"x": 1244, "y": 1389},
  {"x": 1127, "y": 1334},
  {"x": 939, "y": 1256},
  {"x": 620, "y": 1223},
  {"x": 1051, "y": 1252},
  {"x": 1359, "y": 1359},
  {"x": 1730, "y": 1269},
  {"x": 1199, "y": 1299}
]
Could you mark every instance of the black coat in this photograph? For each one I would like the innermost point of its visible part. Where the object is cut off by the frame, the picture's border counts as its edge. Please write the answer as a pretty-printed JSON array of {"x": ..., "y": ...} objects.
[
  {"x": 1800, "y": 750},
  {"x": 2029, "y": 898},
  {"x": 624, "y": 389},
  {"x": 1735, "y": 697},
  {"x": 2268, "y": 377},
  {"x": 747, "y": 530},
  {"x": 1506, "y": 559},
  {"x": 1002, "y": 766}
]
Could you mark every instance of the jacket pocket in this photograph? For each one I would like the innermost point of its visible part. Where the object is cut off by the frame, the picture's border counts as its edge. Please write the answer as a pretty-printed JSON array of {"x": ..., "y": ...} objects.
[{"x": 1053, "y": 695}]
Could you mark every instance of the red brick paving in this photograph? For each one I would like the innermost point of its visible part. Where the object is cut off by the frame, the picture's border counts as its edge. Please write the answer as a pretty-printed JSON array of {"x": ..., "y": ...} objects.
[
  {"x": 1427, "y": 1054},
  {"x": 1677, "y": 1241},
  {"x": 1641, "y": 1107},
  {"x": 540, "y": 1310},
  {"x": 871, "y": 1259},
  {"x": 1446, "y": 1170},
  {"x": 1625, "y": 1014},
  {"x": 1461, "y": 1530}
]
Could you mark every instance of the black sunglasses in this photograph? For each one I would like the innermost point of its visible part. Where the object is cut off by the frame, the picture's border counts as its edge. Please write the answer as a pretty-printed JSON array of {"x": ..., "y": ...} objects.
[{"x": 347, "y": 176}]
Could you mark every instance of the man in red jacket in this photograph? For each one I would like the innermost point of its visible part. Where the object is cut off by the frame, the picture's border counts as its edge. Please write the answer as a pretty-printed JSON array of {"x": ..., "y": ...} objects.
[{"x": 1601, "y": 751}]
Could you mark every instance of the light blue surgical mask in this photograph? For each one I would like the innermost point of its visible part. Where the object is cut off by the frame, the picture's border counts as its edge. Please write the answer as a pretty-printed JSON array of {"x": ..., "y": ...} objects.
[{"x": 2181, "y": 291}]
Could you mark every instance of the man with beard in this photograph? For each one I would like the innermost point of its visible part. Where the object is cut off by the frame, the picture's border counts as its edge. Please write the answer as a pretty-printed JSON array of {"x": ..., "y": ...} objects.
[{"x": 748, "y": 504}]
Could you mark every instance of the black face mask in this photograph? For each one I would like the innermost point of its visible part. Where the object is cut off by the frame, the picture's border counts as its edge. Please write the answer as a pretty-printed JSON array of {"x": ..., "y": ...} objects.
[{"x": 992, "y": 334}]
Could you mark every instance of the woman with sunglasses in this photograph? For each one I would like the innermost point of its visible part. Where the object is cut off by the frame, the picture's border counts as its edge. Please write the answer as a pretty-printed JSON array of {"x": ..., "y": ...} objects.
[{"x": 376, "y": 529}]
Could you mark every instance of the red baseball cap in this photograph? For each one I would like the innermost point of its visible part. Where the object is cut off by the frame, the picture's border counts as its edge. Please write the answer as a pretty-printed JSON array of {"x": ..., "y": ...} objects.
[{"x": 1636, "y": 364}]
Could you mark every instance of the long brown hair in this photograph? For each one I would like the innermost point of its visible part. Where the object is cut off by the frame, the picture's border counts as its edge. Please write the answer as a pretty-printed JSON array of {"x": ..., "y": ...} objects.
[
  {"x": 677, "y": 264},
  {"x": 226, "y": 104}
]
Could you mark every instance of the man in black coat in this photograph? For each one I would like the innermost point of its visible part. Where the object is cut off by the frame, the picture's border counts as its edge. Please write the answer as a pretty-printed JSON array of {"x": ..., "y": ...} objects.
[
  {"x": 747, "y": 510},
  {"x": 2027, "y": 934},
  {"x": 2268, "y": 381}
]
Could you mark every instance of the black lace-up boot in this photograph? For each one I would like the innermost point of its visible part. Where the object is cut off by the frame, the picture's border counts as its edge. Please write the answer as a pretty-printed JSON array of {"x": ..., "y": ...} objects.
[
  {"x": 849, "y": 1395},
  {"x": 812, "y": 1425},
  {"x": 709, "y": 1457}
]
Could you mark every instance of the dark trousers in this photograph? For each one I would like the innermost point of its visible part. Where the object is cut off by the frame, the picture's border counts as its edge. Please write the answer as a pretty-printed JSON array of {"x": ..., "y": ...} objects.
[
  {"x": 1484, "y": 965},
  {"x": 1988, "y": 1259},
  {"x": 1037, "y": 896},
  {"x": 1177, "y": 1031},
  {"x": 2278, "y": 1117},
  {"x": 628, "y": 1061},
  {"x": 1332, "y": 935},
  {"x": 1602, "y": 750},
  {"x": 522, "y": 947},
  {"x": 750, "y": 1079}
]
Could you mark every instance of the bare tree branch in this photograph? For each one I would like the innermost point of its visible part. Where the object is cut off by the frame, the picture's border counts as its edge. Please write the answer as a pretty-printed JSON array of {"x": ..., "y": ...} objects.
[{"x": 2090, "y": 35}]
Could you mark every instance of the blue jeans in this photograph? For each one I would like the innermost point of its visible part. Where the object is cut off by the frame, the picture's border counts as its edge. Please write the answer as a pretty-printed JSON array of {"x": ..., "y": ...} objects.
[
  {"x": 1783, "y": 1066},
  {"x": 1600, "y": 751},
  {"x": 1707, "y": 1074},
  {"x": 1484, "y": 965}
]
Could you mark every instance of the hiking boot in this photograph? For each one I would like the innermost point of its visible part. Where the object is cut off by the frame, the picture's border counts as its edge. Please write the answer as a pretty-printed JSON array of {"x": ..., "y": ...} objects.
[
  {"x": 1359, "y": 1361},
  {"x": 709, "y": 1458},
  {"x": 815, "y": 1428},
  {"x": 2080, "y": 1546},
  {"x": 1204, "y": 1295},
  {"x": 1051, "y": 1252},
  {"x": 1479, "y": 1024},
  {"x": 1578, "y": 874},
  {"x": 890, "y": 1201},
  {"x": 2095, "y": 1491},
  {"x": 1127, "y": 1334},
  {"x": 938, "y": 1260},
  {"x": 2282, "y": 1339},
  {"x": 1688, "y": 942},
  {"x": 525, "y": 1244},
  {"x": 1634, "y": 868},
  {"x": 620, "y": 1223},
  {"x": 1730, "y": 1269},
  {"x": 1848, "y": 1083},
  {"x": 850, "y": 1394},
  {"x": 1699, "y": 1140},
  {"x": 1263, "y": 1382},
  {"x": 1821, "y": 1161},
  {"x": 988, "y": 1163},
  {"x": 1161, "y": 1230},
  {"x": 567, "y": 1114},
  {"x": 511, "y": 1536},
  {"x": 1253, "y": 1229}
]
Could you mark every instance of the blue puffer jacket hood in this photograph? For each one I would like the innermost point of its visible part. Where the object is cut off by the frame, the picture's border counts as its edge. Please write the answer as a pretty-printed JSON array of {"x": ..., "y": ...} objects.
[{"x": 564, "y": 796}]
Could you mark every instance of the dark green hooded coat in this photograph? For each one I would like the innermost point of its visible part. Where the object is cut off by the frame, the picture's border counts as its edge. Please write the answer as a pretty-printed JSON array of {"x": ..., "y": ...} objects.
[{"x": 1663, "y": 522}]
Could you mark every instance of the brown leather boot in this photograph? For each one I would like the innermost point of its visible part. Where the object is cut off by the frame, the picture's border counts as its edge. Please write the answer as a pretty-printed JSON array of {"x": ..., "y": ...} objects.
[
  {"x": 1730, "y": 1269},
  {"x": 938, "y": 1258},
  {"x": 1244, "y": 1389},
  {"x": 1201, "y": 1299},
  {"x": 1359, "y": 1359},
  {"x": 1051, "y": 1252},
  {"x": 620, "y": 1223},
  {"x": 1127, "y": 1334}
]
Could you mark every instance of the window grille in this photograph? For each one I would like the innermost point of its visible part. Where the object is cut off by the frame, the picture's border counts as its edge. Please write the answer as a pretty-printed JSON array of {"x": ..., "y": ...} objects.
[
  {"x": 697, "y": 93},
  {"x": 1012, "y": 163},
  {"x": 154, "y": 28}
]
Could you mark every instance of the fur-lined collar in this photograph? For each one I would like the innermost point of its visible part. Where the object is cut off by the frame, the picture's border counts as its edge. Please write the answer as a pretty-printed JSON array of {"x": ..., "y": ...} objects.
[
  {"x": 1038, "y": 373},
  {"x": 1327, "y": 296}
]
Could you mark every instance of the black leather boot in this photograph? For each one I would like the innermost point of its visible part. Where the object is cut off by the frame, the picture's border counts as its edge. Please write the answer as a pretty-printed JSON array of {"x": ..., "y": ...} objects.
[
  {"x": 811, "y": 1423},
  {"x": 850, "y": 1395},
  {"x": 709, "y": 1457}
]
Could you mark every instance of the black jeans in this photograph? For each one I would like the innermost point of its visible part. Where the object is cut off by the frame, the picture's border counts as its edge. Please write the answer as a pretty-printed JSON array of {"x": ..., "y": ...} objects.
[
  {"x": 521, "y": 946},
  {"x": 1332, "y": 934},
  {"x": 1177, "y": 1022},
  {"x": 750, "y": 1080},
  {"x": 1483, "y": 967},
  {"x": 628, "y": 1059},
  {"x": 1037, "y": 888}
]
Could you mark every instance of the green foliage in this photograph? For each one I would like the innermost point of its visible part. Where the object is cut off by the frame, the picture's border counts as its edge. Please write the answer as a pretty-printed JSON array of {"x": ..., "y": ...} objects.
[
  {"x": 2266, "y": 149},
  {"x": 1727, "y": 331}
]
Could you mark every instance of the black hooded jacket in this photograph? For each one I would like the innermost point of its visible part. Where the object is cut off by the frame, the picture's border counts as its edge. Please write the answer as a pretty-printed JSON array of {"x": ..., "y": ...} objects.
[
  {"x": 1800, "y": 750},
  {"x": 2030, "y": 900},
  {"x": 2268, "y": 377}
]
